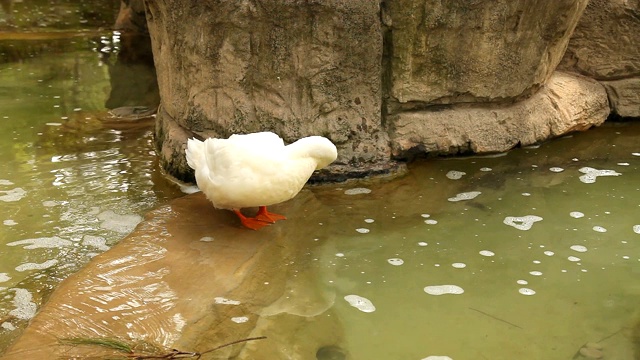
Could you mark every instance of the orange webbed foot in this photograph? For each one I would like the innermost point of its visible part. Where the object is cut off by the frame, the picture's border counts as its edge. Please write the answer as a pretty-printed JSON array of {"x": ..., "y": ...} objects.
[
  {"x": 267, "y": 216},
  {"x": 251, "y": 223}
]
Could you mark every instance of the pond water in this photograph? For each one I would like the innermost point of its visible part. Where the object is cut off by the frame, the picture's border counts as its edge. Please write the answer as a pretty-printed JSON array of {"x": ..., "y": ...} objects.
[{"x": 527, "y": 255}]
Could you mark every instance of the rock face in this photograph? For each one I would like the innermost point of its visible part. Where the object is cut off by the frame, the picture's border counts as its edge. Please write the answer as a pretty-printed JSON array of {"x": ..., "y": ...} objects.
[
  {"x": 606, "y": 47},
  {"x": 297, "y": 68},
  {"x": 385, "y": 80}
]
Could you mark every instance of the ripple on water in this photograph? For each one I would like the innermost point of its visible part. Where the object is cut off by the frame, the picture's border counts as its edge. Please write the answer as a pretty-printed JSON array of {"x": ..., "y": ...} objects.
[
  {"x": 361, "y": 303},
  {"x": 443, "y": 290},
  {"x": 465, "y": 196},
  {"x": 357, "y": 191},
  {"x": 521, "y": 222}
]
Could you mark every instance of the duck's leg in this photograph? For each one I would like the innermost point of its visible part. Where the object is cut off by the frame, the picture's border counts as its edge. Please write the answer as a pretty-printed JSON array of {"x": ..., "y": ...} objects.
[
  {"x": 251, "y": 223},
  {"x": 265, "y": 215}
]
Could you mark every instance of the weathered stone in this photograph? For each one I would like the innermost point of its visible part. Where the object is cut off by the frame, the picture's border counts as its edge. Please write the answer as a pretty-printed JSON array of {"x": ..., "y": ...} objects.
[
  {"x": 567, "y": 103},
  {"x": 131, "y": 17},
  {"x": 188, "y": 282},
  {"x": 606, "y": 42},
  {"x": 474, "y": 51},
  {"x": 624, "y": 96},
  {"x": 293, "y": 67}
]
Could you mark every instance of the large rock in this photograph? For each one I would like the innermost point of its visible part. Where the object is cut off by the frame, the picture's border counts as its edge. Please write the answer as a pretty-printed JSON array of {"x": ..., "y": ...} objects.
[
  {"x": 606, "y": 47},
  {"x": 194, "y": 283},
  {"x": 293, "y": 67},
  {"x": 567, "y": 103},
  {"x": 474, "y": 51}
]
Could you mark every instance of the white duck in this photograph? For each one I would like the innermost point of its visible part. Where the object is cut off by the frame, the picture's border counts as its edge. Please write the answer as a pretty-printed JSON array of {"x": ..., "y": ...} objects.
[{"x": 256, "y": 170}]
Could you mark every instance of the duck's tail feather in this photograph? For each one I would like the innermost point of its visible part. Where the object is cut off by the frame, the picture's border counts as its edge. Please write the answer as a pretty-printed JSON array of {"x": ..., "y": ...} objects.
[{"x": 195, "y": 153}]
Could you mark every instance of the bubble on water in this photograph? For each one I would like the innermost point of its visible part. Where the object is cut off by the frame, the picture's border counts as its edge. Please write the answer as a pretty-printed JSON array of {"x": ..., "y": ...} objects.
[
  {"x": 522, "y": 282},
  {"x": 97, "y": 242},
  {"x": 485, "y": 169},
  {"x": 599, "y": 229},
  {"x": 443, "y": 290},
  {"x": 425, "y": 215},
  {"x": 123, "y": 224},
  {"x": 522, "y": 222},
  {"x": 35, "y": 266},
  {"x": 576, "y": 214},
  {"x": 207, "y": 239},
  {"x": 357, "y": 191},
  {"x": 437, "y": 357},
  {"x": 459, "y": 265},
  {"x": 25, "y": 307},
  {"x": 573, "y": 258},
  {"x": 549, "y": 253},
  {"x": 590, "y": 174},
  {"x": 431, "y": 222},
  {"x": 339, "y": 254},
  {"x": 465, "y": 196},
  {"x": 9, "y": 222},
  {"x": 578, "y": 248},
  {"x": 5, "y": 182},
  {"x": 53, "y": 124},
  {"x": 422, "y": 243},
  {"x": 556, "y": 169},
  {"x": 526, "y": 194},
  {"x": 361, "y": 303},
  {"x": 224, "y": 301},
  {"x": 362, "y": 230},
  {"x": 240, "y": 319},
  {"x": 535, "y": 273},
  {"x": 636, "y": 229},
  {"x": 4, "y": 277},
  {"x": 455, "y": 175},
  {"x": 395, "y": 261},
  {"x": 623, "y": 164},
  {"x": 41, "y": 243},
  {"x": 486, "y": 253},
  {"x": 369, "y": 221},
  {"x": 526, "y": 291},
  {"x": 12, "y": 195}
]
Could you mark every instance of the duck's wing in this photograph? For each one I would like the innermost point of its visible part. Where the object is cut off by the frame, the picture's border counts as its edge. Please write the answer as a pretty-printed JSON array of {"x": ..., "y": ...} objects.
[
  {"x": 259, "y": 139},
  {"x": 195, "y": 153}
]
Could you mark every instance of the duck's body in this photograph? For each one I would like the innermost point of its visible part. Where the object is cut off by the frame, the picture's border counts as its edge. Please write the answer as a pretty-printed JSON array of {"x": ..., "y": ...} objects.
[{"x": 256, "y": 170}]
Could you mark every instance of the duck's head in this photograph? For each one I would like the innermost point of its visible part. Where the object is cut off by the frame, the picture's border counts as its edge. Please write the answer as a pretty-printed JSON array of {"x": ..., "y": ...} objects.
[{"x": 318, "y": 148}]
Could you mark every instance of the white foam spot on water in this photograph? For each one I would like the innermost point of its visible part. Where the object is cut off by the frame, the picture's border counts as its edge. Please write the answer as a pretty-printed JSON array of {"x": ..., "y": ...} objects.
[
  {"x": 362, "y": 230},
  {"x": 522, "y": 222},
  {"x": 25, "y": 307},
  {"x": 42, "y": 243},
  {"x": 576, "y": 214},
  {"x": 623, "y": 164},
  {"x": 7, "y": 326},
  {"x": 459, "y": 265},
  {"x": 465, "y": 196},
  {"x": 49, "y": 203},
  {"x": 225, "y": 301},
  {"x": 35, "y": 266},
  {"x": 240, "y": 319},
  {"x": 437, "y": 357},
  {"x": 12, "y": 195},
  {"x": 486, "y": 253},
  {"x": 590, "y": 174},
  {"x": 635, "y": 154},
  {"x": 5, "y": 182},
  {"x": 599, "y": 229},
  {"x": 53, "y": 124},
  {"x": 395, "y": 261},
  {"x": 556, "y": 169},
  {"x": 549, "y": 253},
  {"x": 357, "y": 191},
  {"x": 443, "y": 290},
  {"x": 422, "y": 243},
  {"x": 526, "y": 291},
  {"x": 526, "y": 194},
  {"x": 339, "y": 254},
  {"x": 369, "y": 221},
  {"x": 97, "y": 242},
  {"x": 573, "y": 258},
  {"x": 578, "y": 248},
  {"x": 485, "y": 169},
  {"x": 361, "y": 303},
  {"x": 207, "y": 239},
  {"x": 455, "y": 175},
  {"x": 425, "y": 216},
  {"x": 636, "y": 229},
  {"x": 4, "y": 277},
  {"x": 535, "y": 273},
  {"x": 123, "y": 224},
  {"x": 9, "y": 222},
  {"x": 522, "y": 282},
  {"x": 431, "y": 222}
]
